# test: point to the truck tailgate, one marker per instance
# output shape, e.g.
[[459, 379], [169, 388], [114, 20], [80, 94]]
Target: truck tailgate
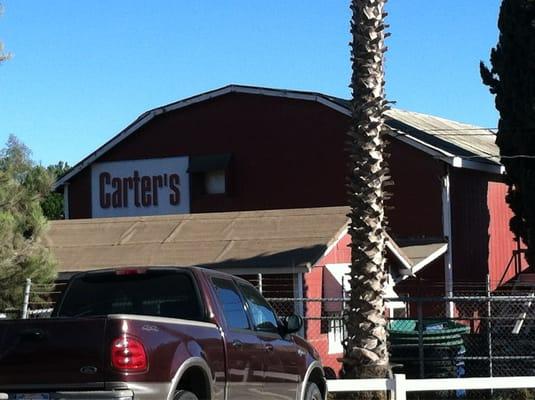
[[52, 351]]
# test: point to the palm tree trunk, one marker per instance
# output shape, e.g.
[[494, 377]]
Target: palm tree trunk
[[365, 350]]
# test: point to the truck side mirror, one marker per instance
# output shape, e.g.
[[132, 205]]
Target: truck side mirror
[[293, 323]]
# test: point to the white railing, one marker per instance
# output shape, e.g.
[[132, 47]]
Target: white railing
[[399, 386]]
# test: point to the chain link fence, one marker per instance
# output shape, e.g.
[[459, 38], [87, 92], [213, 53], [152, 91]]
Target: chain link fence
[[38, 301], [469, 335], [435, 337]]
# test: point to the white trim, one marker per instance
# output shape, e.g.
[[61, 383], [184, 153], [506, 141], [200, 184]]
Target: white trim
[[423, 146], [361, 385], [400, 257], [480, 166], [163, 320], [330, 247], [399, 386], [446, 227], [316, 97], [430, 258], [449, 158]]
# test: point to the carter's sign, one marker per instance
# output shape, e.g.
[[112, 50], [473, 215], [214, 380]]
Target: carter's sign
[[140, 187]]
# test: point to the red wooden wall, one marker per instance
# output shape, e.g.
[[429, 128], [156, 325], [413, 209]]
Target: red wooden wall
[[286, 153], [501, 240]]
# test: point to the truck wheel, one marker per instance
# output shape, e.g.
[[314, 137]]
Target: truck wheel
[[313, 392], [185, 395]]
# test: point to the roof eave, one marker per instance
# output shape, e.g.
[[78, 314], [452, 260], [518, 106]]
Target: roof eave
[[448, 158]]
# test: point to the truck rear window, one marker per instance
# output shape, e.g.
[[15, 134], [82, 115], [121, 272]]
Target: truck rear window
[[161, 293]]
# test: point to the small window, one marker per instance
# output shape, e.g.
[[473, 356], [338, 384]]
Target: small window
[[209, 174], [264, 319], [233, 307], [215, 182]]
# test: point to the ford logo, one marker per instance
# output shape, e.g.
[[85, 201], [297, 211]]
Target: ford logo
[[88, 370]]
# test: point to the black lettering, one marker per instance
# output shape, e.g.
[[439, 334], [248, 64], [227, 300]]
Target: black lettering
[[128, 183], [157, 182], [117, 196], [136, 189], [174, 197], [104, 179], [146, 198]]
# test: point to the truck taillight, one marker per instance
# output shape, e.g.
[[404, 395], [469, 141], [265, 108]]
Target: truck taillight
[[128, 354]]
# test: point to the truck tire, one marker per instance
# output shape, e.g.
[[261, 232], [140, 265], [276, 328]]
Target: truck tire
[[313, 392], [185, 395]]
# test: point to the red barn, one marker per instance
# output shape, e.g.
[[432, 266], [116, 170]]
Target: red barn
[[245, 149]]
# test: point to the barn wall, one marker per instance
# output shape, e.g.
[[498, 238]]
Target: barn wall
[[470, 226], [482, 241], [501, 239], [80, 195], [286, 153], [416, 206], [283, 151]]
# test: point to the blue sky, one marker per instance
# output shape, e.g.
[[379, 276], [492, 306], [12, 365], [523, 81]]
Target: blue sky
[[82, 71]]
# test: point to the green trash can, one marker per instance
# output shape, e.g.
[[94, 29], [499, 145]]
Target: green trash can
[[441, 341]]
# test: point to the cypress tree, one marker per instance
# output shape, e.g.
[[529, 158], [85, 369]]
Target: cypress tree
[[512, 79]]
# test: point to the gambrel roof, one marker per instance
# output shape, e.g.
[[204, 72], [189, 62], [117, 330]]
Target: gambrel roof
[[460, 145]]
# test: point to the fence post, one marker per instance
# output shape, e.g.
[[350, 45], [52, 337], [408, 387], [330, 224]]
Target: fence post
[[299, 308], [400, 391], [260, 283], [489, 329], [421, 339], [26, 300]]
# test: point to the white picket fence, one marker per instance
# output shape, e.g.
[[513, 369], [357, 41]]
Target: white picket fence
[[399, 386]]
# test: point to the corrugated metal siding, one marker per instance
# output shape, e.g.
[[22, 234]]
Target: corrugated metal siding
[[501, 242], [482, 241]]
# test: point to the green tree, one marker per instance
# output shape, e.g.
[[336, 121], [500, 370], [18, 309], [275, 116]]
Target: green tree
[[512, 79], [52, 204], [365, 350], [22, 223]]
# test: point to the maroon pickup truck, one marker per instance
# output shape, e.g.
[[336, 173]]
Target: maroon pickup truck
[[156, 334]]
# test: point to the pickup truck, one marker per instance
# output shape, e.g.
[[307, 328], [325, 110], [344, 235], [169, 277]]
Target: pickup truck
[[158, 333]]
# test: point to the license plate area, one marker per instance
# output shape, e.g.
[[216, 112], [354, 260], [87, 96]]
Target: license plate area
[[31, 396]]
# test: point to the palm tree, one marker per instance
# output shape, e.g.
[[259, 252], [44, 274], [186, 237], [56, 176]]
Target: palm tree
[[512, 80], [365, 349]]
